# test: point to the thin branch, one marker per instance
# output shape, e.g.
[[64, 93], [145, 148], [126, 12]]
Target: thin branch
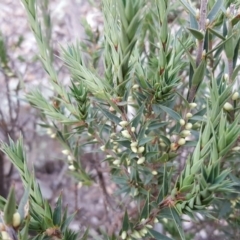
[[202, 27]]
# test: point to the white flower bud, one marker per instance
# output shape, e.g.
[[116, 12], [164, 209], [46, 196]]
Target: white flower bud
[[111, 109], [141, 149], [53, 135], [117, 162], [182, 122], [49, 131], [154, 172], [135, 86], [186, 133], [119, 150], [136, 235], [174, 146], [228, 12], [26, 209], [204, 53], [133, 129], [16, 219], [128, 161], [197, 43], [123, 123], [124, 235], [135, 192], [236, 148], [5, 235], [70, 158], [103, 148], [141, 160], [126, 134], [228, 106], [134, 144], [181, 141], [192, 105], [207, 22], [165, 220], [65, 152], [155, 220], [113, 135], [162, 144], [142, 232], [235, 96], [188, 126], [109, 156], [134, 149], [197, 14], [226, 77], [197, 125], [71, 168], [130, 99], [189, 115], [148, 226], [145, 230]]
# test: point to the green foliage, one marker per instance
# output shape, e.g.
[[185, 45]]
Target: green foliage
[[166, 87]]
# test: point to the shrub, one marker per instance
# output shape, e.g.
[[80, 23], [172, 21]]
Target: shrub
[[164, 112]]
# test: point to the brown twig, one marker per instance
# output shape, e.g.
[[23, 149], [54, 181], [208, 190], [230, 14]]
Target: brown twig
[[202, 27]]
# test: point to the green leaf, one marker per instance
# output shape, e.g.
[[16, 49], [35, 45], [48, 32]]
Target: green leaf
[[215, 10], [196, 166], [197, 34], [85, 236], [219, 45], [165, 181], [25, 230], [235, 72], [170, 112], [135, 121], [156, 125], [198, 74], [10, 207], [193, 21], [178, 223], [67, 221], [188, 7], [192, 62], [216, 33], [2, 202], [146, 209], [23, 203], [145, 140], [126, 224], [109, 115], [158, 235], [57, 213], [235, 20], [225, 208], [186, 188], [229, 47]]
